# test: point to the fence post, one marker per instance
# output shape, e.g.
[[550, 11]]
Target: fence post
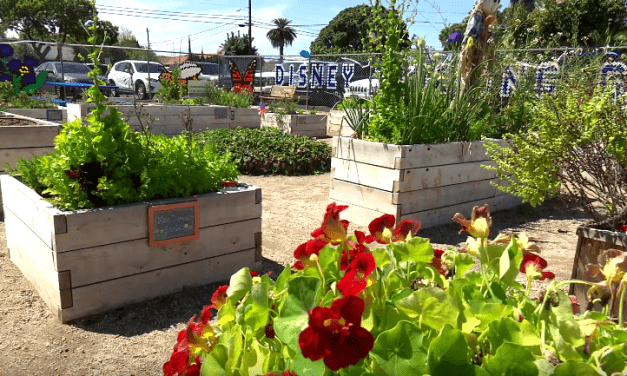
[[308, 82], [60, 54]]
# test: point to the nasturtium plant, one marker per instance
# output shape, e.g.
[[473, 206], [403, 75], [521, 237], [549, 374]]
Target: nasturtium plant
[[387, 303]]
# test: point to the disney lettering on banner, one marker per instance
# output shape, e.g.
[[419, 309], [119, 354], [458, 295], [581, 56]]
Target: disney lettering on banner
[[614, 73], [323, 75], [546, 77]]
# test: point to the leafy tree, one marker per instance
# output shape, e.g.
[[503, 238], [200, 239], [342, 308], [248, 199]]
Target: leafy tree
[[45, 20], [237, 44], [530, 5], [346, 31], [569, 23], [127, 39], [282, 35], [447, 31]]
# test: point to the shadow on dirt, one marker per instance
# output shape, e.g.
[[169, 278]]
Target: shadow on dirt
[[505, 220], [160, 313]]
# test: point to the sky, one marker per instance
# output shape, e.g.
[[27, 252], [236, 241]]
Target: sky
[[208, 22]]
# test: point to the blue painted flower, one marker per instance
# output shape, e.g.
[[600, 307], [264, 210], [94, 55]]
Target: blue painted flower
[[15, 65], [29, 78], [5, 78], [30, 62], [5, 50], [455, 37]]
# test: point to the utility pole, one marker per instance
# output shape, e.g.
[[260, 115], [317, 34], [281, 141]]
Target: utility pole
[[250, 33], [149, 88]]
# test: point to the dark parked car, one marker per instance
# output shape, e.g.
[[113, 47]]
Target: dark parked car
[[71, 73]]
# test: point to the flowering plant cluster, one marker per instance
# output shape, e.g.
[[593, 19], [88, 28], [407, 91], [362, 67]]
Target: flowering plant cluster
[[20, 73], [387, 303]]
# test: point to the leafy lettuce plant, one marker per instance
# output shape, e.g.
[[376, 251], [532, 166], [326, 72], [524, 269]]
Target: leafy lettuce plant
[[387, 303], [104, 162]]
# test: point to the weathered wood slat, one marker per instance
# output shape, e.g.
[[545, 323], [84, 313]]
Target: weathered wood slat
[[35, 136], [102, 297], [12, 155], [130, 222], [92, 265], [34, 258], [39, 215], [365, 174], [413, 201], [399, 156]]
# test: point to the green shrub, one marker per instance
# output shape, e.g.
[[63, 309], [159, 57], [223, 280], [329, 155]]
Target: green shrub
[[8, 98], [219, 96], [283, 107], [270, 151]]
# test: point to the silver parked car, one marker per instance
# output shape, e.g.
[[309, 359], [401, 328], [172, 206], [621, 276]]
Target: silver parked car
[[136, 76]]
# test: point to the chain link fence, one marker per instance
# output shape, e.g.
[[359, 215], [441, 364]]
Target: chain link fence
[[321, 81]]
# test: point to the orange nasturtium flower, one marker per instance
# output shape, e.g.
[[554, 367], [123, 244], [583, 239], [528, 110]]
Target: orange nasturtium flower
[[533, 266], [612, 265], [521, 240], [382, 229], [479, 223]]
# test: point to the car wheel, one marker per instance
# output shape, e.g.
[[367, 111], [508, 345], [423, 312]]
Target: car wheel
[[113, 92], [140, 90]]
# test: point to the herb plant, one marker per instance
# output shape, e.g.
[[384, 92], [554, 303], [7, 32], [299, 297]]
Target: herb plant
[[387, 303], [9, 99], [575, 145], [269, 151]]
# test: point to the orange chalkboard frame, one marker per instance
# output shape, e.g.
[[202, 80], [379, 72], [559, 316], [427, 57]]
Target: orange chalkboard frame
[[151, 224]]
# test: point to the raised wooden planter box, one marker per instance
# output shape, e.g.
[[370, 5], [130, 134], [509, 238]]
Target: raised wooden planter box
[[55, 115], [304, 125], [89, 261], [19, 140], [429, 183], [170, 119], [590, 243], [337, 125]]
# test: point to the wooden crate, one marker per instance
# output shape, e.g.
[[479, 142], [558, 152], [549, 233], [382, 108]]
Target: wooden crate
[[304, 125], [25, 141], [429, 183], [89, 261], [170, 119], [590, 243]]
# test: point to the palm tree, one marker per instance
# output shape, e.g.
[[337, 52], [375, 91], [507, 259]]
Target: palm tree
[[282, 35]]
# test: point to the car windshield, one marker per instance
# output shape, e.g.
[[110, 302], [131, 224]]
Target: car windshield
[[74, 68], [154, 68], [209, 69]]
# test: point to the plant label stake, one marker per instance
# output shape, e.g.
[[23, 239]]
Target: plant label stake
[[176, 223]]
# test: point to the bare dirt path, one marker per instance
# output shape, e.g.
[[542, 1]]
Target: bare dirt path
[[137, 340]]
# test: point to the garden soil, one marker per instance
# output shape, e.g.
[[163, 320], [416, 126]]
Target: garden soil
[[137, 340]]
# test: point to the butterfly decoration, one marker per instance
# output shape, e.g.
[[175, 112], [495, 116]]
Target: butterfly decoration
[[187, 71], [243, 83]]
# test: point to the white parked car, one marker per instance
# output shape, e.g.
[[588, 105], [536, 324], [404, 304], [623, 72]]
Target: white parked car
[[132, 76], [362, 88]]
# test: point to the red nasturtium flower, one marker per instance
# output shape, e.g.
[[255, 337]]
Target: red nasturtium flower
[[305, 250], [533, 265], [356, 277], [382, 229], [336, 335], [219, 297], [333, 230], [286, 373], [355, 249], [436, 262], [197, 336], [479, 223]]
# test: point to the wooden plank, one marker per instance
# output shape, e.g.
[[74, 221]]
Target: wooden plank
[[365, 174], [105, 296], [375, 153], [39, 215], [34, 259], [442, 216], [474, 152], [97, 264], [360, 216], [109, 225], [12, 155], [414, 201], [431, 177], [28, 136], [355, 194]]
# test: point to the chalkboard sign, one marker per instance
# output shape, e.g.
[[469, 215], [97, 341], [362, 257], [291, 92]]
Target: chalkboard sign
[[176, 223]]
